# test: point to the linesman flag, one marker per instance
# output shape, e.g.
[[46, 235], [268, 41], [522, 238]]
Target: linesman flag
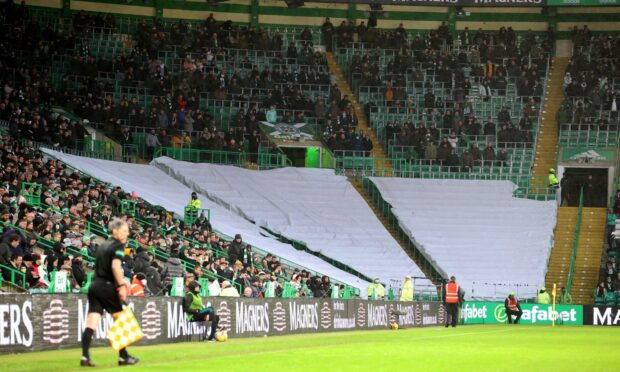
[[125, 330]]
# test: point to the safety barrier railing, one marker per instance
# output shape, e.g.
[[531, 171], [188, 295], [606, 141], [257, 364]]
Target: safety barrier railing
[[501, 290], [263, 160], [573, 258], [589, 134], [15, 277]]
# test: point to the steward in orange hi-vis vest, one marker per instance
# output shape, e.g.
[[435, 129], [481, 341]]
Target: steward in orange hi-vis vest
[[451, 302]]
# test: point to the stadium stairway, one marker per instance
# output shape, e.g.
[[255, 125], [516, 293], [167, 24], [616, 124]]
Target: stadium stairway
[[381, 163], [547, 147], [559, 262], [589, 252]]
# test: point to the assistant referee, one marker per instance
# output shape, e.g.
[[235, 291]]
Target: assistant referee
[[108, 289]]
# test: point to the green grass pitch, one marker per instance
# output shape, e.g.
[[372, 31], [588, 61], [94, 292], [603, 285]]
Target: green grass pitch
[[470, 348]]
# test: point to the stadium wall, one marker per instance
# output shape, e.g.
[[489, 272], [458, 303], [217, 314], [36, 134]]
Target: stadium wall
[[56, 321], [275, 12]]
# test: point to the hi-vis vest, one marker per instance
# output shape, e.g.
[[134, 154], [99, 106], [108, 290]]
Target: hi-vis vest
[[512, 304], [452, 293], [543, 298], [196, 305], [195, 203], [553, 180]]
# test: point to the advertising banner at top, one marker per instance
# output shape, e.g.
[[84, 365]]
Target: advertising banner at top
[[495, 313], [493, 3]]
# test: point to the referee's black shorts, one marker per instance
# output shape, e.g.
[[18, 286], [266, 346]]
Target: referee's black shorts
[[102, 295]]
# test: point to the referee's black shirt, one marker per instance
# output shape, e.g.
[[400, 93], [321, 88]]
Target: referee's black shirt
[[108, 251]]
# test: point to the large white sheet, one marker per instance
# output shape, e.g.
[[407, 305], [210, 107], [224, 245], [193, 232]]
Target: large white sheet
[[156, 187], [310, 205], [476, 231]]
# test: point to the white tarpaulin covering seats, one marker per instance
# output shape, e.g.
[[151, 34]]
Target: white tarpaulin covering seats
[[157, 188], [313, 206], [476, 231]]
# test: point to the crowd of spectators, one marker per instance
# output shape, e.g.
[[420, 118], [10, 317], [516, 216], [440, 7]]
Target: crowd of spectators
[[54, 232], [591, 98], [248, 69], [441, 126]]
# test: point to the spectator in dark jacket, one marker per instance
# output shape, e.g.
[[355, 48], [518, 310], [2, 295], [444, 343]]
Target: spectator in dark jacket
[[8, 244], [326, 288], [235, 251], [20, 248], [173, 269], [77, 267], [142, 261], [15, 263], [153, 279]]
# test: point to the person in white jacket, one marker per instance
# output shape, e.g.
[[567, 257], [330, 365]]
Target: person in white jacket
[[228, 290], [484, 89]]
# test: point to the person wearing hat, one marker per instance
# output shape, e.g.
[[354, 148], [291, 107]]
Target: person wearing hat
[[225, 271], [513, 308], [236, 248], [194, 202], [376, 291], [553, 180], [196, 312], [543, 297], [406, 292], [451, 299]]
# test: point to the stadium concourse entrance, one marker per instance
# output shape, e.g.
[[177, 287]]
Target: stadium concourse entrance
[[307, 155], [595, 184]]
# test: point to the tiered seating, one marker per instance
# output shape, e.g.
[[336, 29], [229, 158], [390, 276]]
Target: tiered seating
[[154, 186], [589, 120], [586, 117], [396, 86]]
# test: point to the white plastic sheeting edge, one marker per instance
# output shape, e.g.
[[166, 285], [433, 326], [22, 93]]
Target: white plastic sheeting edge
[[156, 187], [476, 231], [313, 206]]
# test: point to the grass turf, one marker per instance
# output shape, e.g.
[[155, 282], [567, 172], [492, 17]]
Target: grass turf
[[471, 348]]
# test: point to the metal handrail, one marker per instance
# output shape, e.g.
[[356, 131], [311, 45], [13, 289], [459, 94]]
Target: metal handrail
[[14, 273], [573, 259], [264, 160]]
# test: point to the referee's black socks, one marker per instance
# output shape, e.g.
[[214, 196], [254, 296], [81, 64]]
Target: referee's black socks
[[122, 353], [87, 338]]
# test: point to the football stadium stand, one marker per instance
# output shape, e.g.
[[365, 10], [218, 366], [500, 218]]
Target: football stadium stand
[[442, 128], [156, 187]]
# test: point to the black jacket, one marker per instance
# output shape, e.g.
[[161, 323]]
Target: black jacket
[[173, 269], [141, 262], [79, 274], [153, 281], [235, 251], [5, 252]]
